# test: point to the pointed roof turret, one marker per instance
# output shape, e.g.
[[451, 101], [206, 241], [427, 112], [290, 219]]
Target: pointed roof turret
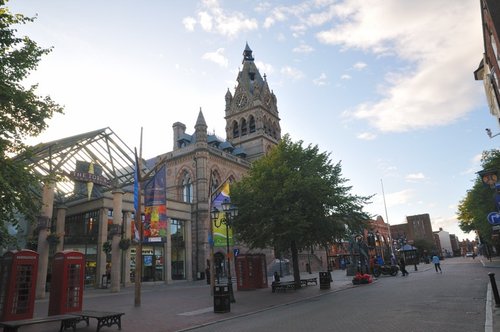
[[247, 54], [200, 128], [201, 120]]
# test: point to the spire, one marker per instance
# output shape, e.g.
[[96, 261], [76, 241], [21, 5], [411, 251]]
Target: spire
[[247, 54], [201, 120], [200, 129]]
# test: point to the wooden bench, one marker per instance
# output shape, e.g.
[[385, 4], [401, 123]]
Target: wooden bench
[[104, 318], [66, 322], [283, 286], [306, 282]]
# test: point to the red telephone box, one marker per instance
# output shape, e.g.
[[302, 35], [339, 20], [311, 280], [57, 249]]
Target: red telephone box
[[251, 271], [66, 287], [18, 272]]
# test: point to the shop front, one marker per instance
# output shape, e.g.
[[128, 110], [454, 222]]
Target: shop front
[[153, 261]]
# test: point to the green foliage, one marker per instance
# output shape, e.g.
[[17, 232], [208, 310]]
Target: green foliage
[[479, 201], [424, 246], [295, 197], [106, 247], [22, 114]]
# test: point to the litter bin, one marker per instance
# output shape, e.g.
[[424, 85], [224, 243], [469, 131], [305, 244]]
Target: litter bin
[[222, 303], [324, 280]]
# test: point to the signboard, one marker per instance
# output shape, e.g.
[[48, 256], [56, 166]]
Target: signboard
[[494, 218]]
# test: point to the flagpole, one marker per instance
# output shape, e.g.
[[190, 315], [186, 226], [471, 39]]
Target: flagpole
[[139, 226], [387, 218]]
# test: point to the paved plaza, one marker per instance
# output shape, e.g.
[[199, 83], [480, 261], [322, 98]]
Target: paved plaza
[[182, 305]]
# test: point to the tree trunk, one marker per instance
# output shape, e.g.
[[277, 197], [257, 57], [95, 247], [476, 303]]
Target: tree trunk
[[295, 262]]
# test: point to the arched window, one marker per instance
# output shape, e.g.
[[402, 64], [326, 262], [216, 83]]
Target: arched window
[[252, 124], [215, 181], [243, 127], [236, 130], [187, 188]]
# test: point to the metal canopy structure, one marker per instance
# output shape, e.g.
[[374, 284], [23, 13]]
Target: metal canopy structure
[[58, 159]]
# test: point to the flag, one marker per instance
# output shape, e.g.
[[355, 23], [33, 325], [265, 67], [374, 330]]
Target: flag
[[219, 233], [136, 185], [155, 207]]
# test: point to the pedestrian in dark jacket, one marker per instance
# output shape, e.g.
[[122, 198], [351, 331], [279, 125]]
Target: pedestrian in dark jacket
[[402, 266]]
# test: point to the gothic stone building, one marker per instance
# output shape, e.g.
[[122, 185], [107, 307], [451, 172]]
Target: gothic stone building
[[198, 163]]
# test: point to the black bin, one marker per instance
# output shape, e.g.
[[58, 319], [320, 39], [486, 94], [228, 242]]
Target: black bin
[[324, 280], [222, 302]]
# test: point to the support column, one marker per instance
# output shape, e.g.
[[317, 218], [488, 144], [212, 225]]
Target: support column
[[101, 238], [116, 233], [189, 251], [127, 234], [43, 230], [60, 222], [168, 255]]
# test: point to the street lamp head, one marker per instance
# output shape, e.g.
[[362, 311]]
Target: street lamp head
[[226, 204], [214, 213], [488, 132]]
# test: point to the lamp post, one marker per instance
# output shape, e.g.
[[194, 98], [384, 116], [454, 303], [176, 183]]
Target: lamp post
[[230, 211]]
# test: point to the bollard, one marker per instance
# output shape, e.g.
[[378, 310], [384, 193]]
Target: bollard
[[494, 288]]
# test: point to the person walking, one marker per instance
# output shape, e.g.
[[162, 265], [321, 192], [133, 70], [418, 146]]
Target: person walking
[[402, 266], [437, 263]]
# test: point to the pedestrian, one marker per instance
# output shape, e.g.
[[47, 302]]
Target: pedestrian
[[437, 264], [393, 260], [276, 277], [402, 266]]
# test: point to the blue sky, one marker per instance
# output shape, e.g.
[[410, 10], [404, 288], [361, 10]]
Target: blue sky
[[385, 86]]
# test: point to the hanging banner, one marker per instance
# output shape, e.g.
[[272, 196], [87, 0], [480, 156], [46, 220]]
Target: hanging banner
[[155, 208], [219, 230]]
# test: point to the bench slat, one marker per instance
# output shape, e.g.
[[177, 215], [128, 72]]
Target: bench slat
[[66, 321]]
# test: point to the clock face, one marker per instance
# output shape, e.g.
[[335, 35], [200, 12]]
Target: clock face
[[241, 100]]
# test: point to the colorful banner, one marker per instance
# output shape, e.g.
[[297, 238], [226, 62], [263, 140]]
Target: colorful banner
[[155, 208], [220, 232]]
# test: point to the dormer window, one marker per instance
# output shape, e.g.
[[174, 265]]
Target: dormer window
[[252, 76]]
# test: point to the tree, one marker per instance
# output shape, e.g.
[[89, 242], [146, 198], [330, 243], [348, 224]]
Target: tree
[[22, 113], [294, 198], [479, 201]]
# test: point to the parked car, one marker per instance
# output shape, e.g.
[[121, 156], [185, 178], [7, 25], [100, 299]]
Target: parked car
[[469, 254]]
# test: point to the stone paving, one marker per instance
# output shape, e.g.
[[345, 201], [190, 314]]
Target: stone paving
[[182, 305]]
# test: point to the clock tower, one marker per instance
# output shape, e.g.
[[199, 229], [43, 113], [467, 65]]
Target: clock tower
[[252, 120]]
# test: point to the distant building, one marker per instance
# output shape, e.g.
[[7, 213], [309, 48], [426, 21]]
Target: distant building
[[445, 243], [417, 227]]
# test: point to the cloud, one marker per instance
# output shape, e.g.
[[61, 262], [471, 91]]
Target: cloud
[[321, 80], [345, 77], [216, 57], [414, 177], [433, 86], [303, 48], [189, 23], [359, 65], [367, 136], [213, 18], [399, 198], [292, 73], [264, 68]]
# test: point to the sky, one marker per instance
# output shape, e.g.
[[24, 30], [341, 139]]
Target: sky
[[385, 86]]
